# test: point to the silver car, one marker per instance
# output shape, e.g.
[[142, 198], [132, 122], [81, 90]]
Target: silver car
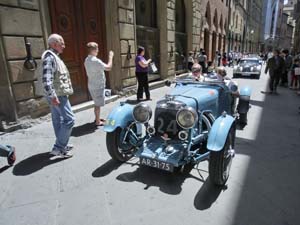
[[248, 67]]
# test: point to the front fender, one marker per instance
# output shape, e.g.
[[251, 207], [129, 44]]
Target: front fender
[[119, 117], [219, 132]]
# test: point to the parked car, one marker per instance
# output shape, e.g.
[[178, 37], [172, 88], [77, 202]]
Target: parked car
[[195, 122], [249, 67]]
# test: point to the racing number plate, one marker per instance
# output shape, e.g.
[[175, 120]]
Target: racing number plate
[[157, 164]]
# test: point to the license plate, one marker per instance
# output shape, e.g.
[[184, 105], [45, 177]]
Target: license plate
[[157, 164]]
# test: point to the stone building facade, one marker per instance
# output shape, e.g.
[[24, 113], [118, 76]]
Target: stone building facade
[[254, 26], [296, 17], [237, 25], [168, 29], [214, 26]]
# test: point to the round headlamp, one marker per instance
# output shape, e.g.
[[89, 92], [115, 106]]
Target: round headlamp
[[187, 117], [142, 113]]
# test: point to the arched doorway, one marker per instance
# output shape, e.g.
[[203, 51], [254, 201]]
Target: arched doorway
[[220, 48], [214, 41], [206, 40], [180, 38], [214, 36]]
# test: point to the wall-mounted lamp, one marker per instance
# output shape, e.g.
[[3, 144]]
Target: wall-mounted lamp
[[30, 63], [172, 51], [129, 52]]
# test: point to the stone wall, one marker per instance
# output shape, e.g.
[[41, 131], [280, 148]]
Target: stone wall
[[21, 23], [126, 21], [171, 36], [197, 20]]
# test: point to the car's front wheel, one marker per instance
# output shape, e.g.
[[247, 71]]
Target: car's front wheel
[[220, 162], [118, 146]]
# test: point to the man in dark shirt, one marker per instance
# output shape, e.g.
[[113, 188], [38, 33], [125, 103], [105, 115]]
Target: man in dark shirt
[[275, 67], [288, 60]]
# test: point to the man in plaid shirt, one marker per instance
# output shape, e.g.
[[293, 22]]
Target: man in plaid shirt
[[57, 87]]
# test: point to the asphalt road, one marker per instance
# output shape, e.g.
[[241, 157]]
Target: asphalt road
[[90, 189]]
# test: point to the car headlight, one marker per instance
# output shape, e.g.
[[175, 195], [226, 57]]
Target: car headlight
[[241, 68], [251, 69], [187, 117], [142, 113], [258, 67]]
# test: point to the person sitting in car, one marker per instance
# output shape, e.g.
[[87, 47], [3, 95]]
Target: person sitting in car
[[197, 72]]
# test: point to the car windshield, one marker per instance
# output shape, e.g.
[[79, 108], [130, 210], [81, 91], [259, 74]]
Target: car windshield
[[249, 61]]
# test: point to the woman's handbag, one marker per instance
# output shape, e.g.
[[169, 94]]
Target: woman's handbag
[[152, 68]]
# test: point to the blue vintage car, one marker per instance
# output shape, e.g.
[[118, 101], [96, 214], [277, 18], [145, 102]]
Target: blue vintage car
[[195, 122]]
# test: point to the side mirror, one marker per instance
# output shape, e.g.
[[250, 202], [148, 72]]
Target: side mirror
[[168, 83]]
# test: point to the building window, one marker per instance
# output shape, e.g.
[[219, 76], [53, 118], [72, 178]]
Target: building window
[[147, 33], [180, 38]]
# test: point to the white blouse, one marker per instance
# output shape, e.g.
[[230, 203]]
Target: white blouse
[[95, 71]]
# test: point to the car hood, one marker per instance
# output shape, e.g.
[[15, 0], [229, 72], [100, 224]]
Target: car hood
[[206, 96]]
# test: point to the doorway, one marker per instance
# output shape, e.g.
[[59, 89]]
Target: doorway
[[79, 23]]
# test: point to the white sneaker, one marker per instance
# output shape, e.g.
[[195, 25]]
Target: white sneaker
[[69, 147], [67, 154], [55, 152]]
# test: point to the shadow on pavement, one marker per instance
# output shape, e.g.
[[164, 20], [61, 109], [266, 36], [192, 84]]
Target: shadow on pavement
[[207, 195], [134, 101], [270, 193], [106, 168], [2, 169], [169, 183], [34, 163], [84, 129]]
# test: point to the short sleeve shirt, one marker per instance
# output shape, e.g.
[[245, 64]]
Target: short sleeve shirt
[[95, 71], [138, 67]]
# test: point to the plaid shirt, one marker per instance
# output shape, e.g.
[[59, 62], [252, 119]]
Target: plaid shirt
[[49, 69]]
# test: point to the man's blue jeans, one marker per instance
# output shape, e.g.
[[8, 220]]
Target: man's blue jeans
[[63, 122]]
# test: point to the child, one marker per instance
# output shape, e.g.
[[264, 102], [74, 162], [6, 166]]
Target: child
[[295, 77]]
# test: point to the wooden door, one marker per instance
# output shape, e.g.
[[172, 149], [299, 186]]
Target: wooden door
[[78, 22]]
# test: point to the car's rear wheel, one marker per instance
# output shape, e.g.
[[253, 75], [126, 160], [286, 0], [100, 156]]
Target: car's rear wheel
[[119, 148], [220, 162]]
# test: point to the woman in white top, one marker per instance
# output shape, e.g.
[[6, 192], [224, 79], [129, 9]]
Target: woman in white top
[[96, 78]]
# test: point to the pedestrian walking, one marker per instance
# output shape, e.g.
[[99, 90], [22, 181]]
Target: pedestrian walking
[[8, 152], [190, 60], [96, 78], [224, 59], [141, 72], [295, 74], [217, 60], [202, 60], [288, 62], [275, 67], [58, 87]]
